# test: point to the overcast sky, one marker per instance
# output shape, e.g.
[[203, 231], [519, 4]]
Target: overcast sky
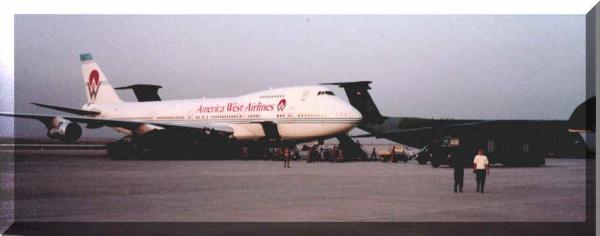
[[442, 66]]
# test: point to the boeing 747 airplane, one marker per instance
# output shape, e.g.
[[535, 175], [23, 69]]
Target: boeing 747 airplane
[[290, 114]]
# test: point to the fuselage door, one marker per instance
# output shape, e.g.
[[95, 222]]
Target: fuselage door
[[304, 95]]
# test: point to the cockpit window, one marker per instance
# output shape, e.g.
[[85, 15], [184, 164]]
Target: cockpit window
[[325, 93]]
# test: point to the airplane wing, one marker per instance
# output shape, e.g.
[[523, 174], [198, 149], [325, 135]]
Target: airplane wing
[[128, 124], [67, 109], [420, 136], [424, 129]]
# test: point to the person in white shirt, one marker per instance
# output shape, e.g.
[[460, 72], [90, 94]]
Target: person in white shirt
[[481, 168]]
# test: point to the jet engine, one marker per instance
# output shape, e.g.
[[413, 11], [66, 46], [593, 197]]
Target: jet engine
[[64, 130]]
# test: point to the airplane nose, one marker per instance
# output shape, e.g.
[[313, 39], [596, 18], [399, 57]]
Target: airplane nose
[[354, 114]]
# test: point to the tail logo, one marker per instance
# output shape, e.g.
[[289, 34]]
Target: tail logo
[[281, 105], [93, 84]]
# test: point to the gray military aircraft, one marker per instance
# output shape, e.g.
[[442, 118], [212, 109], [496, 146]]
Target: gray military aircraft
[[450, 141]]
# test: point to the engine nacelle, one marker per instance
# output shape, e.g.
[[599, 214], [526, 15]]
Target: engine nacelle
[[64, 130]]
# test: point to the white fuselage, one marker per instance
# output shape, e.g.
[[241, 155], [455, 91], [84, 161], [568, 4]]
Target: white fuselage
[[300, 113]]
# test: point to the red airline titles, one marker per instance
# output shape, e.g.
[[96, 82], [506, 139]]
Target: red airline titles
[[235, 107]]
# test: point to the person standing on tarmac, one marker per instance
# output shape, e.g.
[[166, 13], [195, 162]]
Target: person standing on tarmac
[[334, 154], [286, 158], [374, 154], [393, 154], [321, 154], [481, 168], [313, 154], [311, 150], [245, 153], [459, 174]]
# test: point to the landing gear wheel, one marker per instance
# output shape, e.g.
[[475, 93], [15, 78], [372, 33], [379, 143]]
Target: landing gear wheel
[[121, 150], [435, 164]]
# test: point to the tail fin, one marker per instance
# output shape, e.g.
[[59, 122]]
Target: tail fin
[[360, 99], [583, 118], [98, 89]]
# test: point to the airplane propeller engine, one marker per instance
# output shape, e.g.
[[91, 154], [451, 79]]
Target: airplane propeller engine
[[64, 130]]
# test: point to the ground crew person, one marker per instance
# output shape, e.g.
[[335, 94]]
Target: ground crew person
[[374, 154], [245, 153], [321, 154], [481, 168], [334, 154], [459, 174], [286, 158], [312, 154], [393, 154]]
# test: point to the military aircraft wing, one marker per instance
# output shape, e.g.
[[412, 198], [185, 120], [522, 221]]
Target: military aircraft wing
[[420, 136], [422, 129]]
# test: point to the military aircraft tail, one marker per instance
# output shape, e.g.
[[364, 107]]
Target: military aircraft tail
[[360, 98], [583, 118]]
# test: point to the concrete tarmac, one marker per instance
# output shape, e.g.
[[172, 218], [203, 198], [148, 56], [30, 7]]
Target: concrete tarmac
[[6, 190], [84, 185]]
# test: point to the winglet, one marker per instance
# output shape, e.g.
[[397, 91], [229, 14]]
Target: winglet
[[86, 57]]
